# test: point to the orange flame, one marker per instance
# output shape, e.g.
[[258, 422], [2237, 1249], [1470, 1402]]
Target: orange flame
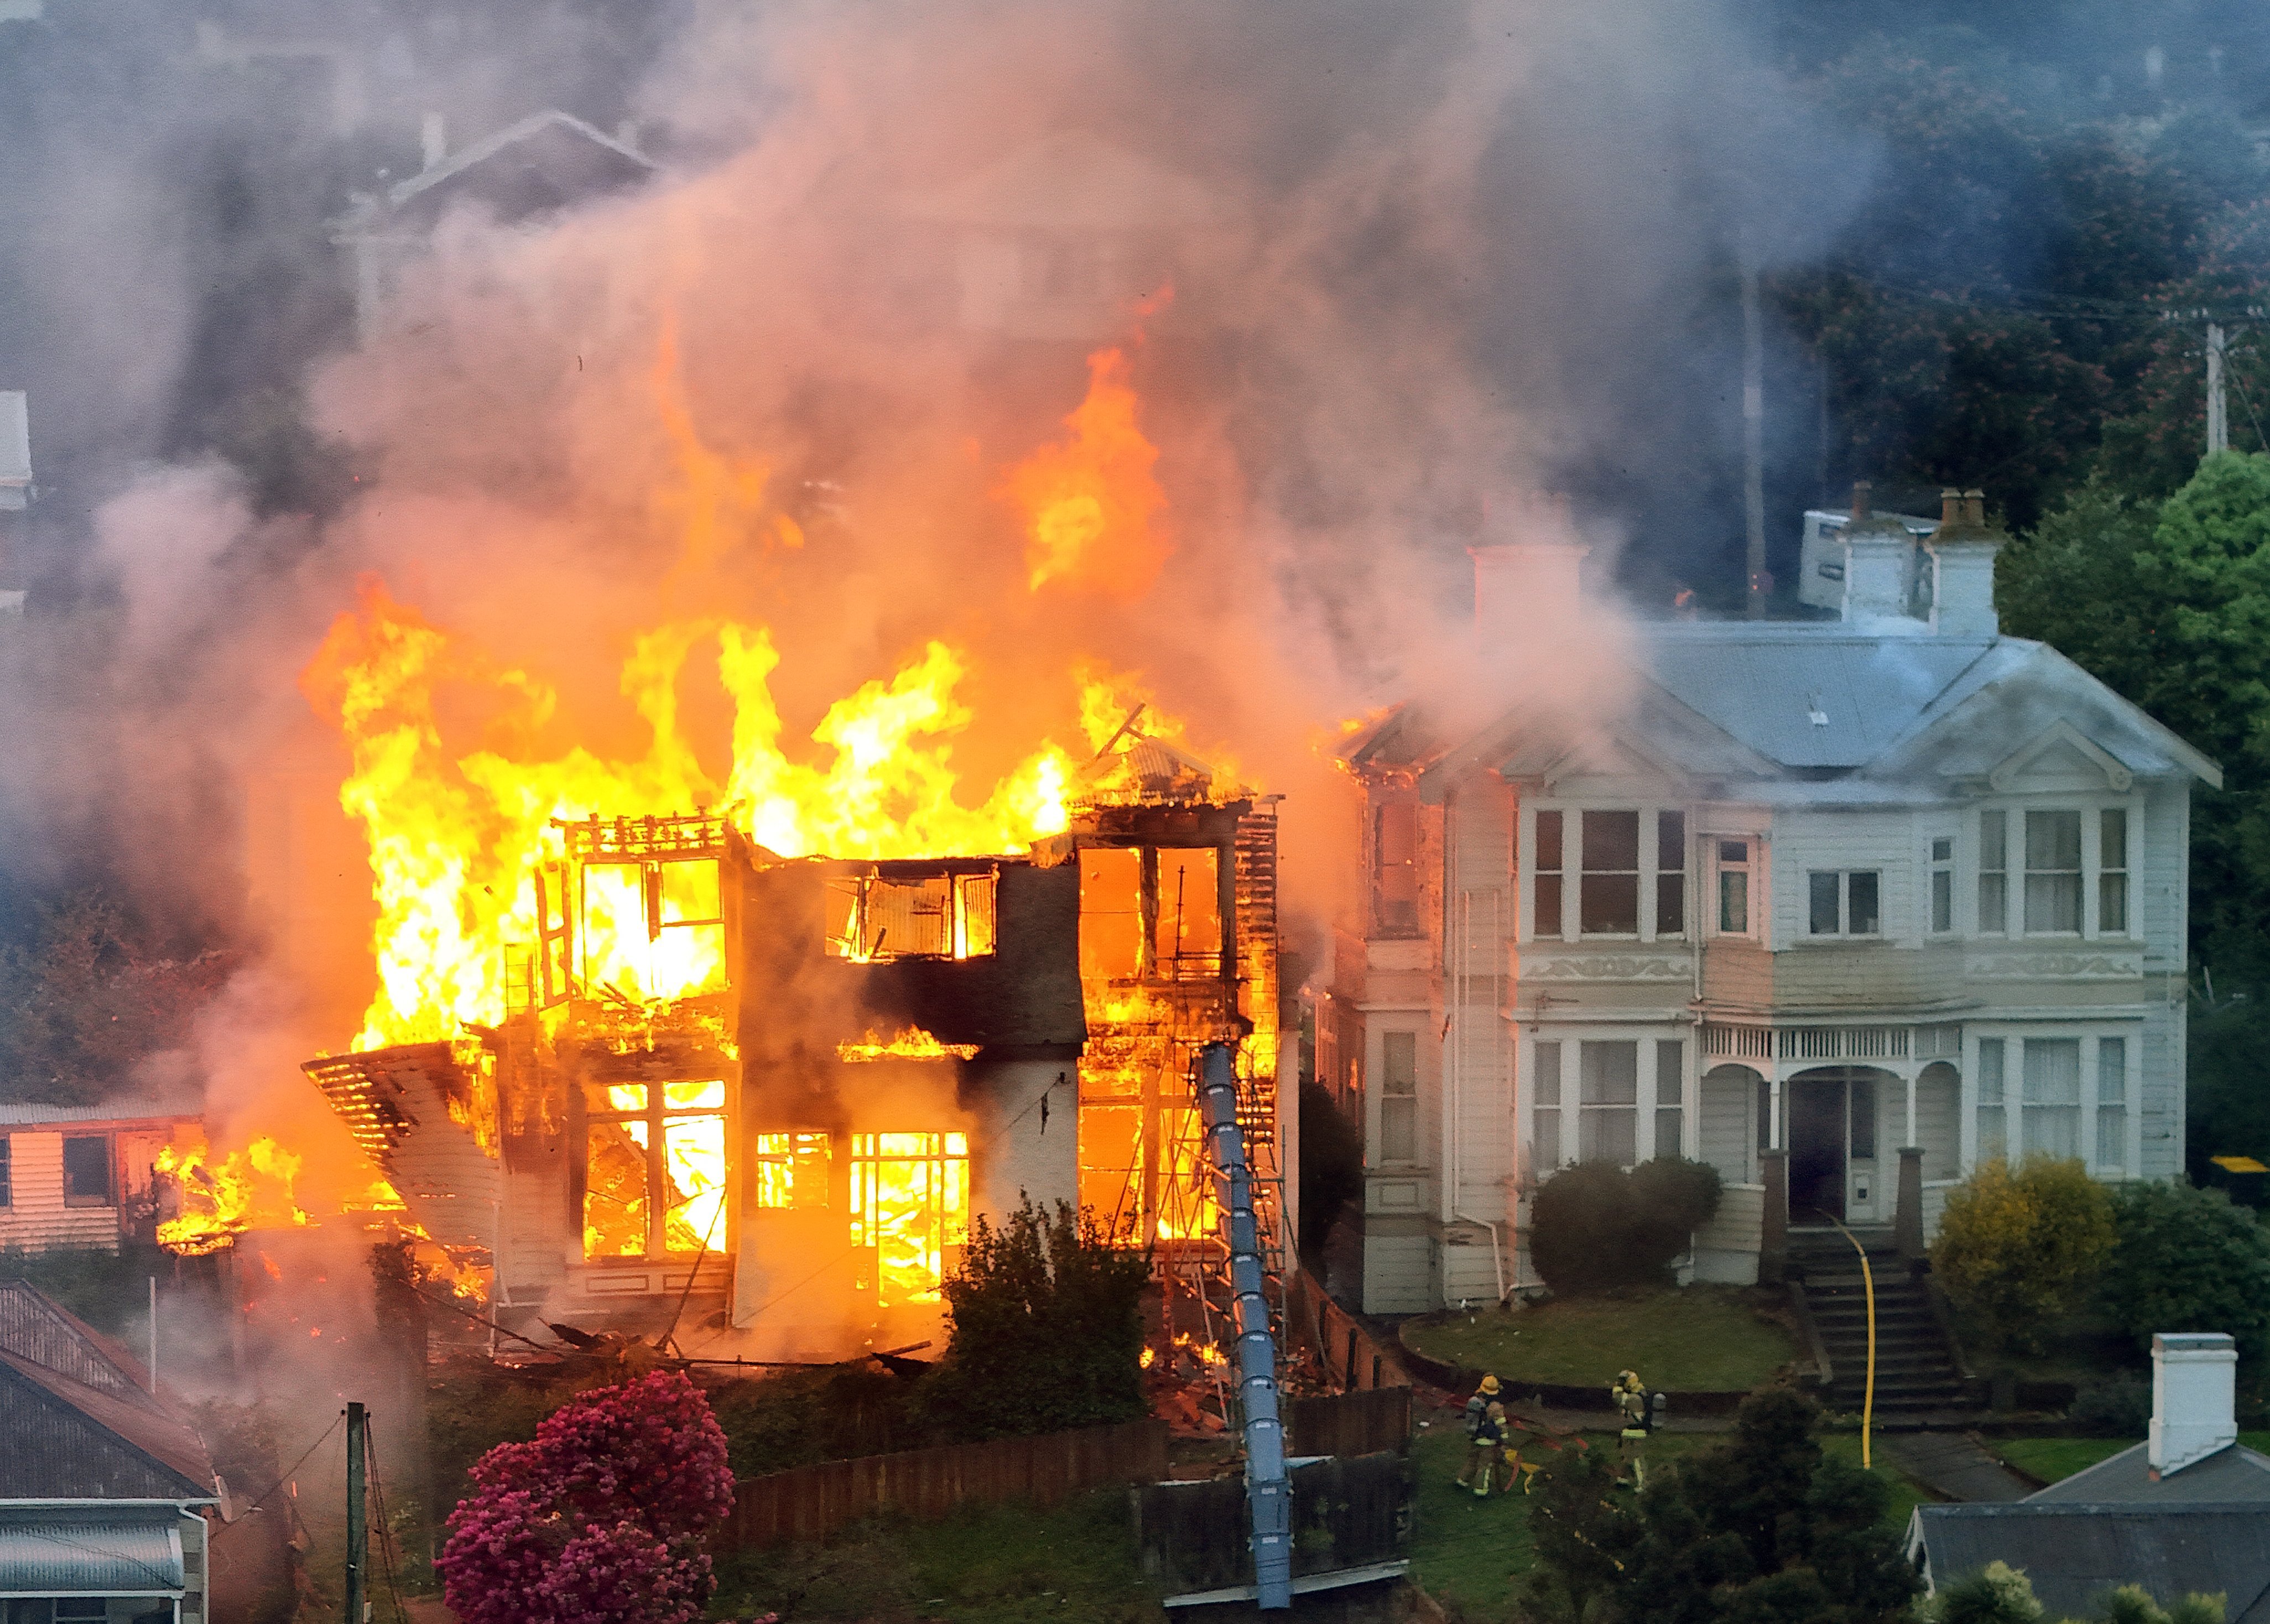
[[1089, 500], [909, 1043], [455, 840], [221, 1199]]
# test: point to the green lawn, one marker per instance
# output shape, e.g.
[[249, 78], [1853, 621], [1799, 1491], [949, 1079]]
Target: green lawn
[[1702, 1339], [1013, 1564], [2051, 1459], [1467, 1552]]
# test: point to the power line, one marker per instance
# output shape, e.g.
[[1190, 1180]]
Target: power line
[[293, 1471]]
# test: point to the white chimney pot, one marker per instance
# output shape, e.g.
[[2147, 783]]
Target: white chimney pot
[[2194, 1399]]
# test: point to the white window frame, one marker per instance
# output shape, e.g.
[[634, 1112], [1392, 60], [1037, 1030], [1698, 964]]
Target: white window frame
[[1375, 1093], [1572, 874], [1751, 868], [2012, 1035], [1932, 867], [1648, 1097], [1970, 850], [1843, 932]]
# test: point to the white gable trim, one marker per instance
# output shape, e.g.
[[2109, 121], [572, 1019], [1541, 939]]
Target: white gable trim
[[2061, 733], [1623, 757]]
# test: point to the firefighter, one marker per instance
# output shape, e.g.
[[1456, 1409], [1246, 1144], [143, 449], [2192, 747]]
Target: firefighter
[[1481, 1451], [1630, 1398]]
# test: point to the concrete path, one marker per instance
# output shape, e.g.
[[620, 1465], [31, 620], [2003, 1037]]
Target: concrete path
[[1952, 1464]]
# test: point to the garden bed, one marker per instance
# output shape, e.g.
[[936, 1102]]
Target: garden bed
[[1705, 1346]]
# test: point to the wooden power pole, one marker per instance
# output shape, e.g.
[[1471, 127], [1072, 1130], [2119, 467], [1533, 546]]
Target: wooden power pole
[[2218, 415]]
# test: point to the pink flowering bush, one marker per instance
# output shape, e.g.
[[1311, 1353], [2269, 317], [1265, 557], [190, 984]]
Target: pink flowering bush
[[600, 1518]]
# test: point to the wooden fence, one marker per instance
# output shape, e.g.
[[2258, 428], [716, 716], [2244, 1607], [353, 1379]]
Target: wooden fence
[[1351, 1357], [811, 1503], [1354, 1423]]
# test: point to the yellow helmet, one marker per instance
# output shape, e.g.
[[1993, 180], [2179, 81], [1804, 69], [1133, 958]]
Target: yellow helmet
[[1628, 1378], [1489, 1384]]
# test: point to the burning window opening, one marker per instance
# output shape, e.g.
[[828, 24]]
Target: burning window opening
[[793, 1170], [221, 1199], [909, 1212], [654, 1169], [873, 918], [909, 1043]]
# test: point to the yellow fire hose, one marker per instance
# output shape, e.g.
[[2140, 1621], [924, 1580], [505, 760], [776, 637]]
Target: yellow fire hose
[[1868, 1394]]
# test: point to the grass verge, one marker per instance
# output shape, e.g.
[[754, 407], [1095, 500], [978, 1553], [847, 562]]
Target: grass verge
[[2052, 1459], [1701, 1339], [1016, 1564], [1469, 1553]]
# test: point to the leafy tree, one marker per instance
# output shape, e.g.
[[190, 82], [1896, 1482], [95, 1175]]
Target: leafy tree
[[2188, 1260], [1997, 1594], [2016, 1249], [600, 1519], [90, 997], [1594, 1226], [2001, 1594], [1047, 1329], [1761, 1528]]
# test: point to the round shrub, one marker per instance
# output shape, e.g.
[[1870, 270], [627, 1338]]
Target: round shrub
[[2187, 1259], [1594, 1226], [2015, 1248]]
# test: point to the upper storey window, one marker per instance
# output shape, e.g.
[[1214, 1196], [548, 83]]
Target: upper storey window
[[2053, 872], [1610, 881], [1395, 867], [1613, 871]]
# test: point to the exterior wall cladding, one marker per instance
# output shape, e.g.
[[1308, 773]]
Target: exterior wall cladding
[[1825, 888]]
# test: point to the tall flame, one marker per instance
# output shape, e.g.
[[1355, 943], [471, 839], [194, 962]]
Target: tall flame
[[1090, 501], [456, 840]]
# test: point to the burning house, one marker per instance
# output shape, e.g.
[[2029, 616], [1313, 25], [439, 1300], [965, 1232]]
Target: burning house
[[764, 1097]]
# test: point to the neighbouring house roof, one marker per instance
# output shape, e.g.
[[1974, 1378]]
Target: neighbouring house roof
[[1792, 704], [74, 1548], [2232, 1474], [2074, 1552], [76, 1419], [110, 1111], [543, 163]]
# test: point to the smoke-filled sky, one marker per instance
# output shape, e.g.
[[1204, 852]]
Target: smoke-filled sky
[[1394, 272]]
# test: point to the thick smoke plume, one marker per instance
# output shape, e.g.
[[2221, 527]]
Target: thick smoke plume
[[1380, 277]]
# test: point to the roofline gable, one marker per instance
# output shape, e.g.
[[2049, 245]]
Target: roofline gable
[[2060, 732]]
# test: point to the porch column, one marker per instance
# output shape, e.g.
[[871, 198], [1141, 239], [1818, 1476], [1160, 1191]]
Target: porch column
[[1911, 1136], [1773, 1111], [1907, 1218], [1773, 1229]]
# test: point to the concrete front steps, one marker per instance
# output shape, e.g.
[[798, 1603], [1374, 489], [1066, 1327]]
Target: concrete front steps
[[1918, 1380]]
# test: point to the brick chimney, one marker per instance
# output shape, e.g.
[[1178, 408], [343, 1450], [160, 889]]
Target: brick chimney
[[1879, 553], [1962, 567], [2194, 1377], [1525, 588]]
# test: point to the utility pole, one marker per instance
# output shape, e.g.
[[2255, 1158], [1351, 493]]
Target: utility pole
[[1754, 437], [358, 1534], [2218, 417]]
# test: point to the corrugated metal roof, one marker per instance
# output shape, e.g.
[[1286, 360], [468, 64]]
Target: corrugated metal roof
[[91, 1558], [2073, 1554], [114, 1110], [1766, 685]]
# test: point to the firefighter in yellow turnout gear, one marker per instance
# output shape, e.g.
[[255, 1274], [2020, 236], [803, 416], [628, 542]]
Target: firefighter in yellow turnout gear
[[1484, 1436], [1630, 1398], [1489, 1438]]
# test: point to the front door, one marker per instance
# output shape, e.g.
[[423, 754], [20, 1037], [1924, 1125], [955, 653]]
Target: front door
[[1816, 1149]]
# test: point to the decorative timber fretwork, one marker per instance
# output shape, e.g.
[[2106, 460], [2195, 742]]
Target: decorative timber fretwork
[[1604, 968], [2054, 965]]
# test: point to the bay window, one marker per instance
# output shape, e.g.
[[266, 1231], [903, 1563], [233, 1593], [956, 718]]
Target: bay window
[[1608, 899], [1545, 1110], [1399, 1096], [2111, 1102], [1609, 1101], [2052, 873]]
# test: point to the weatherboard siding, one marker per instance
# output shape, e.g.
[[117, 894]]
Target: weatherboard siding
[[35, 1219]]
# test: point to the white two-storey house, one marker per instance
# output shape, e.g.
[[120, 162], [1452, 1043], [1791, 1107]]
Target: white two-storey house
[[1842, 907]]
